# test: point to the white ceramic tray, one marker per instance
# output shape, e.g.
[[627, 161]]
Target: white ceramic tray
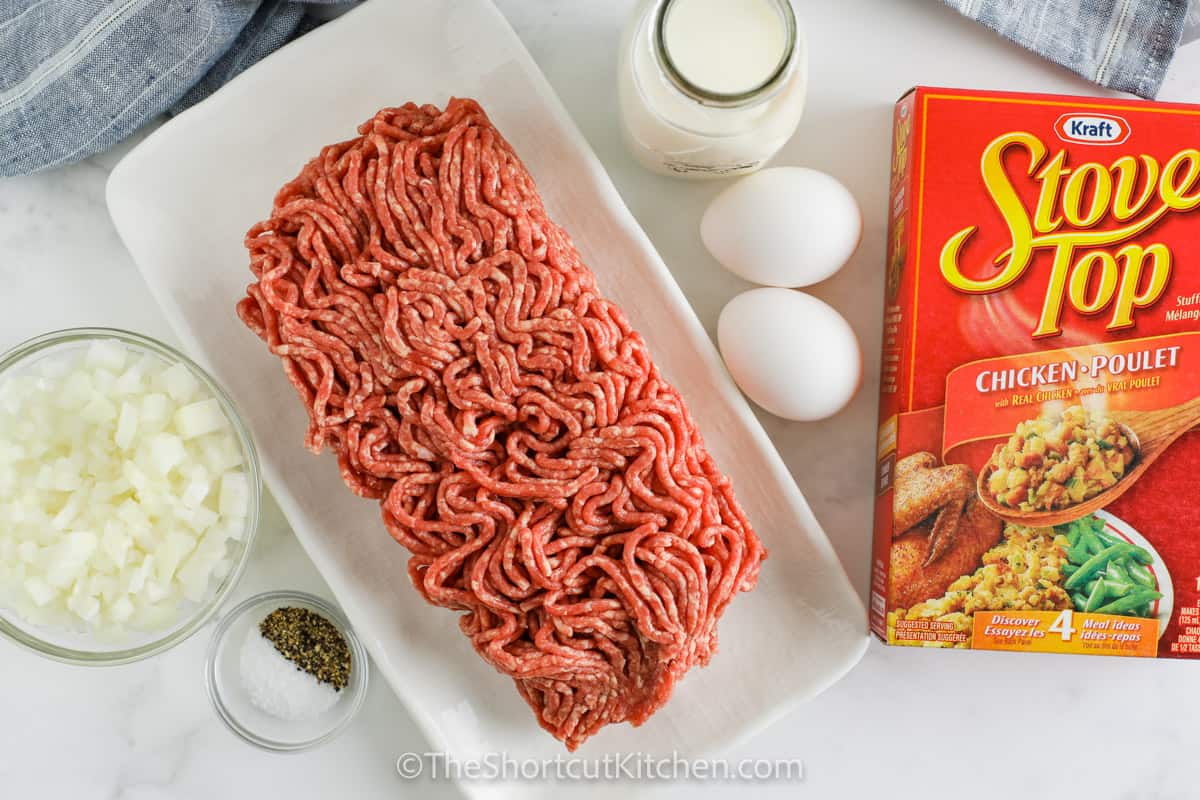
[[182, 202]]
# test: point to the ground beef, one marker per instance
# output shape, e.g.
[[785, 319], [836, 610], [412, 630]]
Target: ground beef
[[453, 351]]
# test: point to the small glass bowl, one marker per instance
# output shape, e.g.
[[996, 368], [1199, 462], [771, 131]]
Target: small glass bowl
[[222, 676], [83, 647]]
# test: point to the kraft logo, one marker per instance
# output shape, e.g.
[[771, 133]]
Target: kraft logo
[[1092, 128]]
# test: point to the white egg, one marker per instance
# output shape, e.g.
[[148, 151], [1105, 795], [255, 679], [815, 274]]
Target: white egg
[[784, 226], [790, 353]]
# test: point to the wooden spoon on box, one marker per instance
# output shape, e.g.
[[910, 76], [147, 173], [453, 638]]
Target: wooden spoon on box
[[1150, 433]]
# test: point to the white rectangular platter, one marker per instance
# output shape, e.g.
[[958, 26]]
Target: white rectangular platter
[[182, 202]]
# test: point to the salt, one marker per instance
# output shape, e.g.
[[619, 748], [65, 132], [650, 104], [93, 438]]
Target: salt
[[277, 686]]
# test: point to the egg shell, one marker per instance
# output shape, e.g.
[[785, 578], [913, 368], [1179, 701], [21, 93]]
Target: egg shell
[[783, 226], [792, 354]]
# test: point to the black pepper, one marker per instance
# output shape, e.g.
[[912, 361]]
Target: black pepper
[[311, 642]]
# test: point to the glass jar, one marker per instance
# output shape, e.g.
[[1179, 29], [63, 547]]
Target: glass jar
[[673, 123]]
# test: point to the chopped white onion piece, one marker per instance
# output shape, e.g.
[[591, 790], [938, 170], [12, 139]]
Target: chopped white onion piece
[[180, 383], [131, 381], [121, 609], [127, 424], [235, 494], [199, 418], [39, 591], [106, 354], [156, 410], [166, 453]]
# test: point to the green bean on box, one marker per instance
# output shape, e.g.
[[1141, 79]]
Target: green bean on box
[[1105, 574]]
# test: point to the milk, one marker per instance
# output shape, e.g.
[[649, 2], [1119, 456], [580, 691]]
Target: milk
[[710, 88], [725, 46]]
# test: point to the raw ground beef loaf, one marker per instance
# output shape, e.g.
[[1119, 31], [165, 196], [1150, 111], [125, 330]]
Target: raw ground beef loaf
[[455, 353]]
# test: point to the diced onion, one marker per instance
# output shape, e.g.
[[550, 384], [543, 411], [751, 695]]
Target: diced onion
[[121, 484]]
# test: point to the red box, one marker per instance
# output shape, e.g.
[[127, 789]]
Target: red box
[[1037, 462]]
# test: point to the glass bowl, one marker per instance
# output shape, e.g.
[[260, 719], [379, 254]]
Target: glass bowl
[[229, 697], [87, 648]]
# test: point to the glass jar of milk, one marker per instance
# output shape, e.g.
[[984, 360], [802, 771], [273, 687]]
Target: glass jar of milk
[[711, 88]]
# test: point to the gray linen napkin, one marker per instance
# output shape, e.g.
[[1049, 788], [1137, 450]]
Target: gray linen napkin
[[78, 76], [1121, 44]]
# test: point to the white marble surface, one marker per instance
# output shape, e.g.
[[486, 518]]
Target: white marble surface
[[905, 723]]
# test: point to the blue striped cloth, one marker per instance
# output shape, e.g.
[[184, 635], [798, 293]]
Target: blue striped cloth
[[78, 76], [1121, 44]]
